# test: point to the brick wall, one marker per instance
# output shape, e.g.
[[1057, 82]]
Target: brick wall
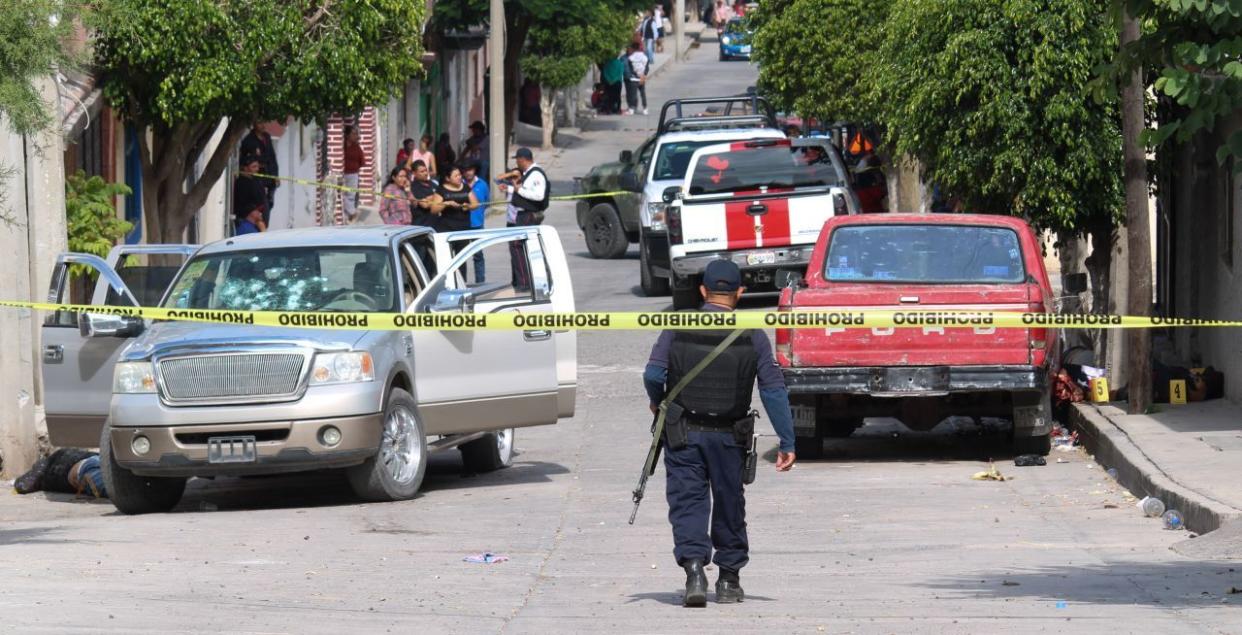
[[368, 179]]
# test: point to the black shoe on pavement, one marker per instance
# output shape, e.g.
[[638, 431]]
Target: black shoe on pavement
[[728, 588], [696, 584]]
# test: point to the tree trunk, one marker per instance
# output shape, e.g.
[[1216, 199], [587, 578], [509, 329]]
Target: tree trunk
[[547, 113], [1138, 341], [168, 164], [1099, 266], [515, 40]]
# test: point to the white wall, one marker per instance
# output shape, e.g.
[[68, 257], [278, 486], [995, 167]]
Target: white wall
[[1205, 283], [32, 233], [295, 151]]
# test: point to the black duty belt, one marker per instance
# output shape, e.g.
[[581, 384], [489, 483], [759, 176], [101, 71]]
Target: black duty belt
[[709, 426]]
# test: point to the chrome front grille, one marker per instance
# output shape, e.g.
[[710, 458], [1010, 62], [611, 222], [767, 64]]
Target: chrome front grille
[[233, 377]]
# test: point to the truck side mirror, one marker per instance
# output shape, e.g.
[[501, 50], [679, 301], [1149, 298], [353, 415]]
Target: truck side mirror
[[671, 194], [629, 182], [1074, 283], [103, 325], [454, 301], [627, 156], [786, 278]]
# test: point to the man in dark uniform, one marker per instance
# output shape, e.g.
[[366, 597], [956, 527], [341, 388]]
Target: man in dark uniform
[[705, 476]]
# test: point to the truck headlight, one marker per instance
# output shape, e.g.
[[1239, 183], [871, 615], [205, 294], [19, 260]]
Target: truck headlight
[[342, 368], [130, 378], [655, 211]]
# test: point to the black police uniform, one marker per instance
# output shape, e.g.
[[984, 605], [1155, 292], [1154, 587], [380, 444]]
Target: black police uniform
[[705, 460]]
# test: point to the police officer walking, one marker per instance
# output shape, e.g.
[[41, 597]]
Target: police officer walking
[[708, 436]]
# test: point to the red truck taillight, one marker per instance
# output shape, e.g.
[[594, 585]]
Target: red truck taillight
[[1038, 337], [673, 221], [784, 341]]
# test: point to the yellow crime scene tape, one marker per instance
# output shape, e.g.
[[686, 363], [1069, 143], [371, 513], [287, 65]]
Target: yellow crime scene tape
[[639, 320], [381, 194]]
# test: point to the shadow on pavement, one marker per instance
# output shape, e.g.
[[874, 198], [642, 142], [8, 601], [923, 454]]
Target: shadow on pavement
[[954, 439], [1167, 584], [330, 488], [674, 598]]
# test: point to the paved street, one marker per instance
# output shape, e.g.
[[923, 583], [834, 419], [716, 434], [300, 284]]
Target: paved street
[[888, 534]]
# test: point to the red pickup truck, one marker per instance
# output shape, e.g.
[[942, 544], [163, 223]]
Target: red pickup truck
[[923, 374]]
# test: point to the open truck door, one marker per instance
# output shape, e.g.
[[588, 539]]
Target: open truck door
[[79, 350]]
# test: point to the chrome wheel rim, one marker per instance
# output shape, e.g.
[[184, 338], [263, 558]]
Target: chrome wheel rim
[[401, 451], [504, 444]]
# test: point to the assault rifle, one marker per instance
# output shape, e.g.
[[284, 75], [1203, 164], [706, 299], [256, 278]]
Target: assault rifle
[[667, 405]]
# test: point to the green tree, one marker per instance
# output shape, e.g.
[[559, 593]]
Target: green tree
[[90, 214], [559, 54], [818, 57], [1194, 47], [990, 96], [520, 17], [32, 38], [177, 68]]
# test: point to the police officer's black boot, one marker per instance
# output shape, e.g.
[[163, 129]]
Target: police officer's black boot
[[728, 587], [696, 584]]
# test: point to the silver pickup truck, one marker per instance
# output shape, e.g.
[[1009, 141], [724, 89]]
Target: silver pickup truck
[[169, 400]]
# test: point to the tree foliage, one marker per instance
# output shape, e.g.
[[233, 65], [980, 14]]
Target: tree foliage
[[1195, 48], [817, 58], [90, 215], [991, 96], [177, 67], [559, 52], [524, 16], [32, 38]]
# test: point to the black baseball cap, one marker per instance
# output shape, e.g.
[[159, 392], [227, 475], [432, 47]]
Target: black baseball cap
[[524, 153], [722, 276]]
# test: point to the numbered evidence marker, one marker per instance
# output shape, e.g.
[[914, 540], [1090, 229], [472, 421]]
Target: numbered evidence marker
[[1177, 391], [1099, 390]]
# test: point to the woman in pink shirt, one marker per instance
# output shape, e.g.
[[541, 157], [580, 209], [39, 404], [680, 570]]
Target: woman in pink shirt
[[425, 154], [395, 205]]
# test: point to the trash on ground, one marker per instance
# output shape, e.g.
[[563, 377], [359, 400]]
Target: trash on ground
[[990, 474], [486, 558], [1233, 590], [1061, 460], [1063, 440], [1112, 473], [1173, 520], [1152, 507], [1009, 583], [1062, 604], [1027, 460]]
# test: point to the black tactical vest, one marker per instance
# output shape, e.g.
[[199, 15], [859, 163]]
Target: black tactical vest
[[721, 392]]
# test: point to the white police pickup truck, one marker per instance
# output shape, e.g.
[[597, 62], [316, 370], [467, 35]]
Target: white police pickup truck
[[169, 400], [760, 203]]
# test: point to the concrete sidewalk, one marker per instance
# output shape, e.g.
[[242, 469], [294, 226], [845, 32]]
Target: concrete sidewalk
[[1188, 456]]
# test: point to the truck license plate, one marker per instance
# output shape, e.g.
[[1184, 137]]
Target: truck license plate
[[804, 417], [761, 258], [231, 449]]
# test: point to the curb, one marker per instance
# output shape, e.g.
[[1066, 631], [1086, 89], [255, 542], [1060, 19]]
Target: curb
[[1113, 448]]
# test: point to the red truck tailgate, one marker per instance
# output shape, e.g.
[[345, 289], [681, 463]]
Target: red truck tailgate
[[931, 344]]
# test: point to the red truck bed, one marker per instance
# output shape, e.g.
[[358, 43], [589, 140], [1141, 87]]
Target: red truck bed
[[920, 374]]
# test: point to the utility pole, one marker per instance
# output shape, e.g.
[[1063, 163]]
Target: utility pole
[[1138, 232], [679, 28], [496, 89]]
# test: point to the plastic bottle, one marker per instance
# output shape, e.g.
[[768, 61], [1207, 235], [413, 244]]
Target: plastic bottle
[[1152, 507], [1173, 520], [1112, 473]]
